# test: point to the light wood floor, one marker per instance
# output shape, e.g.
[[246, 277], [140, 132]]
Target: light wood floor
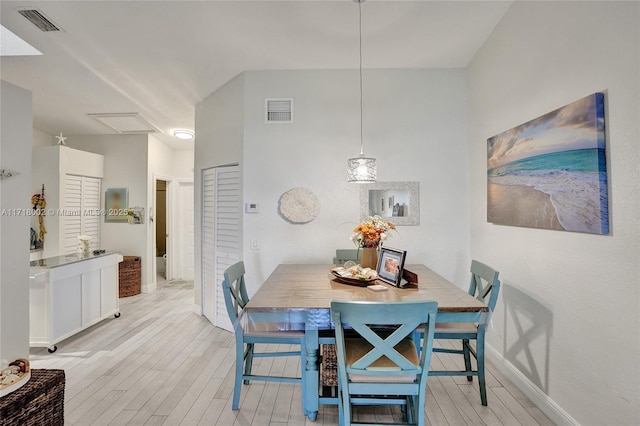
[[160, 363]]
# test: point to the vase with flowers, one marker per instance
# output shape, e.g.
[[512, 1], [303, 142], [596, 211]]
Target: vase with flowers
[[368, 236]]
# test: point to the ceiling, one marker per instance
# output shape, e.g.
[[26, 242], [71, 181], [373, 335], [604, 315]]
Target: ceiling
[[161, 58]]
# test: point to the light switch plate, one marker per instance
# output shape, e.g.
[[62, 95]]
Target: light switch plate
[[251, 208]]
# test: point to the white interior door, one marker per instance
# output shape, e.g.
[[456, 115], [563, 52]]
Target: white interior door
[[227, 233], [186, 219], [221, 235]]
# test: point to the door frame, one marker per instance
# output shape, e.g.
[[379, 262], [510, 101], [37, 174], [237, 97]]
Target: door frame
[[177, 263], [169, 231]]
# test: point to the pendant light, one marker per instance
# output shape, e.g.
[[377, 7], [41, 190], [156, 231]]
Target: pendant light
[[361, 169]]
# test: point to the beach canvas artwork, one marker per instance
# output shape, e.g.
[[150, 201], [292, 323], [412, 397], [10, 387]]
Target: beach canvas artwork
[[551, 172]]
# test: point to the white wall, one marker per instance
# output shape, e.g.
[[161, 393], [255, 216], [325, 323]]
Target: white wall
[[132, 161], [125, 166], [567, 320], [16, 137], [182, 164], [41, 138], [414, 124], [219, 141]]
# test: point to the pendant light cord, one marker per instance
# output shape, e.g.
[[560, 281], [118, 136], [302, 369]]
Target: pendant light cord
[[360, 38]]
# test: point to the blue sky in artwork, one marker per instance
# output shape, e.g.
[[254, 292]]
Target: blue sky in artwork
[[579, 125]]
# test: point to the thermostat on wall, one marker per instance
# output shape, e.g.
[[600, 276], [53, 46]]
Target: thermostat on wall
[[251, 208]]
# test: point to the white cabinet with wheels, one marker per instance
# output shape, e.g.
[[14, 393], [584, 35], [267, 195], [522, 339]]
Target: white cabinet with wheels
[[70, 293]]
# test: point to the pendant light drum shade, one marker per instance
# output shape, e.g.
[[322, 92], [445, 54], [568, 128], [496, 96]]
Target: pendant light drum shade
[[361, 170]]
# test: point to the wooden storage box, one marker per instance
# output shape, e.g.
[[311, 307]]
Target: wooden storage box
[[130, 278]]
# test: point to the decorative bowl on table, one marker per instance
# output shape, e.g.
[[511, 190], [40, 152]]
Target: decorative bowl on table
[[354, 275]]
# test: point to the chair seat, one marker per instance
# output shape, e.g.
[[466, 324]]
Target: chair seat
[[484, 286], [357, 348], [452, 328], [271, 330], [456, 327]]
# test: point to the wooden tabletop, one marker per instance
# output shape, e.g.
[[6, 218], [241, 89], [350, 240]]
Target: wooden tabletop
[[306, 286]]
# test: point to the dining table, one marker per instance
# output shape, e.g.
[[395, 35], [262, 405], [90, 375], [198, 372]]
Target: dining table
[[298, 297]]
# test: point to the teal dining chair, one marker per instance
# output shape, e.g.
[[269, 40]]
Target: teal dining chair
[[343, 255], [250, 332], [378, 362], [485, 287]]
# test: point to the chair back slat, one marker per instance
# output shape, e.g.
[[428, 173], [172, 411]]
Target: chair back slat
[[384, 347], [235, 291], [484, 283], [343, 255], [383, 326]]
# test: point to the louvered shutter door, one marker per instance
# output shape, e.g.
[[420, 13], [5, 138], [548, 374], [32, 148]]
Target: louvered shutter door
[[227, 220], [220, 237], [81, 206], [90, 208], [208, 264], [72, 209]]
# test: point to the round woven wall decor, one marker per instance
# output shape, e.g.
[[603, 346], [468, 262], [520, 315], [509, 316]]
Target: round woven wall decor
[[299, 205]]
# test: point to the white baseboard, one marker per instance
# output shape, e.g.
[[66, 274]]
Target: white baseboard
[[148, 288], [197, 309], [534, 393]]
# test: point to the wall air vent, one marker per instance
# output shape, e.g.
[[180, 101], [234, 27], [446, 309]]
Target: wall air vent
[[38, 19], [278, 110]]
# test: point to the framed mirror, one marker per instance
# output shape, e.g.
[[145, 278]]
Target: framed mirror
[[397, 202]]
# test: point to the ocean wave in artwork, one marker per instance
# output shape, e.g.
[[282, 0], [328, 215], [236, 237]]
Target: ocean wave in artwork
[[573, 181]]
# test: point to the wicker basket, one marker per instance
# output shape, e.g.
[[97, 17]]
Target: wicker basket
[[130, 276], [329, 366], [40, 402]]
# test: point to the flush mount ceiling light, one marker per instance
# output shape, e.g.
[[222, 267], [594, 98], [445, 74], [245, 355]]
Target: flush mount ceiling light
[[361, 169], [183, 134]]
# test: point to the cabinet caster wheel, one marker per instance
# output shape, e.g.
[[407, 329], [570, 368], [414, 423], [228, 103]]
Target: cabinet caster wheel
[[116, 315], [52, 349]]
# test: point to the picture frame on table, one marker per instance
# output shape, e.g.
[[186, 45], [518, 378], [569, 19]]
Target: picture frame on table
[[391, 265]]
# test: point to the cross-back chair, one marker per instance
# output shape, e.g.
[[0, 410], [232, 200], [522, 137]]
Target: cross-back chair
[[381, 365], [485, 287], [248, 333], [343, 255]]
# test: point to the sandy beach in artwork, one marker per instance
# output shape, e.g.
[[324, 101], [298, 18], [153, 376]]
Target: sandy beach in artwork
[[519, 205]]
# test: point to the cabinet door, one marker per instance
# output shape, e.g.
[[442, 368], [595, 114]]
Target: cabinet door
[[90, 297], [82, 207], [66, 306], [90, 207], [38, 308], [109, 289], [73, 219]]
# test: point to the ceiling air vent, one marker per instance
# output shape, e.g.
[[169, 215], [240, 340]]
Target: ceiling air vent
[[129, 123], [278, 110], [38, 19]]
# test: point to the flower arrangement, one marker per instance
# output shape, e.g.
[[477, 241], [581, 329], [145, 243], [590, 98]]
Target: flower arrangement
[[371, 232]]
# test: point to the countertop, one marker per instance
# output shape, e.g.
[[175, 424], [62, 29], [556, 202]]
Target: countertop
[[57, 261]]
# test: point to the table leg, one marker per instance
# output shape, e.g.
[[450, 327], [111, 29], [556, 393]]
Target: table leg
[[310, 391]]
